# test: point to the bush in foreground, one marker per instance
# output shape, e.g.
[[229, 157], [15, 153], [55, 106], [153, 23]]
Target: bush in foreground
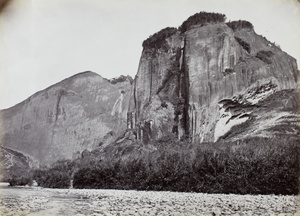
[[58, 176], [19, 180], [17, 176]]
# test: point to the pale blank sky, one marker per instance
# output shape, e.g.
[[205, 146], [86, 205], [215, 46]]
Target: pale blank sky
[[45, 41]]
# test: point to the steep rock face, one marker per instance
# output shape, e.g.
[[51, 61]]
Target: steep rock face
[[220, 68], [179, 85], [155, 90], [66, 118], [13, 162]]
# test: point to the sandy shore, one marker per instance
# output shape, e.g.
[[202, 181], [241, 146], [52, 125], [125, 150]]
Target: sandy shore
[[39, 201]]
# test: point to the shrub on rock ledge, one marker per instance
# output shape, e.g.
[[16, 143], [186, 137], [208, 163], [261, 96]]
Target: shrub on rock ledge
[[202, 19]]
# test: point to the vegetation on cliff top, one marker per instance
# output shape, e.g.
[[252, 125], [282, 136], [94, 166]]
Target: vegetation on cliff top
[[202, 19], [159, 38], [240, 24]]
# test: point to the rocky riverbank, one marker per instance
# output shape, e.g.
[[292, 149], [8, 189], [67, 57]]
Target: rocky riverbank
[[39, 201]]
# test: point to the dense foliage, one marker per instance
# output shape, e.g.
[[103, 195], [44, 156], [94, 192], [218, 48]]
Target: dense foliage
[[159, 39], [250, 166], [19, 178], [58, 176], [240, 24], [265, 56], [246, 46], [202, 19], [254, 166]]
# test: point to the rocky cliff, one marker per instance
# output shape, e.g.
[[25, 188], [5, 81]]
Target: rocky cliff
[[81, 112], [206, 81], [13, 163], [184, 78]]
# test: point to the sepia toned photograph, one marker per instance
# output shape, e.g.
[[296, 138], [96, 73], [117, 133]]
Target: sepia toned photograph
[[149, 107]]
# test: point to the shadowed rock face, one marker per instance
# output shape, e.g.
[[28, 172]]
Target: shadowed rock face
[[178, 86], [66, 118]]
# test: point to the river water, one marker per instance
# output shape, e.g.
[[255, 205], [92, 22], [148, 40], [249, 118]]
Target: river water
[[41, 201]]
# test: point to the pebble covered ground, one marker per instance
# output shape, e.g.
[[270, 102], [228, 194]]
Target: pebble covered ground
[[41, 201]]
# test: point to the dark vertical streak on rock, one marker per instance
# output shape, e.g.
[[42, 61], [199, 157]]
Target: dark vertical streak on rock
[[210, 91], [193, 120], [60, 93], [136, 109], [151, 71], [134, 92], [35, 125], [195, 124], [22, 120], [57, 105], [178, 58], [222, 57], [177, 75], [185, 92]]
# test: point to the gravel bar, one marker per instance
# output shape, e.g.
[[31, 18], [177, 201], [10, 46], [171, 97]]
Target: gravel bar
[[42, 201]]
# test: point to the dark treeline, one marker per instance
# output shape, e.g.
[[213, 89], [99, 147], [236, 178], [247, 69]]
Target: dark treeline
[[16, 176], [159, 39], [250, 166], [202, 18], [57, 176], [240, 24]]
